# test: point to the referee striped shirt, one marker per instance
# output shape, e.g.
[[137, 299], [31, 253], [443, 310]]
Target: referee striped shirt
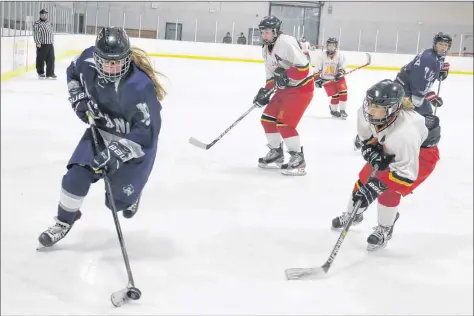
[[43, 32]]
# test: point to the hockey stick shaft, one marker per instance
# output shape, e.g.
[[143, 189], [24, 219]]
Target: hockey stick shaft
[[207, 146], [439, 88], [343, 234], [112, 203]]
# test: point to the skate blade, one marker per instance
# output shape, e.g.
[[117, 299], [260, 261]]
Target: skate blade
[[375, 248], [270, 166], [294, 172], [305, 273]]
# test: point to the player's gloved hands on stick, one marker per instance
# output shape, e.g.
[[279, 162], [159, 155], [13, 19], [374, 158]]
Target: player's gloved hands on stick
[[82, 104], [339, 76], [261, 99], [369, 192], [281, 78], [443, 73], [318, 83], [111, 158], [375, 155], [434, 99]]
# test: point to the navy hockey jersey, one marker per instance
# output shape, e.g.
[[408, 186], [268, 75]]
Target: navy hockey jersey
[[419, 75], [131, 110]]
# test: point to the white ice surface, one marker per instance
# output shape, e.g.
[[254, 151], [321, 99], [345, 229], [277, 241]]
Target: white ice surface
[[214, 233]]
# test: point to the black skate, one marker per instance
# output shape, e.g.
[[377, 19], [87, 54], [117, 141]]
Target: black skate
[[335, 114], [41, 76], [132, 209], [273, 160], [55, 233], [52, 77], [343, 114], [380, 237], [341, 221], [296, 165]]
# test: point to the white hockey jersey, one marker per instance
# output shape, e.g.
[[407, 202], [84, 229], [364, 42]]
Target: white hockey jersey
[[287, 54], [305, 47], [403, 138], [329, 66]]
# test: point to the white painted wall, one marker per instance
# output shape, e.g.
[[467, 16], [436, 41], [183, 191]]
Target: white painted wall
[[20, 52]]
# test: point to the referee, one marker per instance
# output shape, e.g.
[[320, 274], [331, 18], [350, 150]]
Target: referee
[[44, 39]]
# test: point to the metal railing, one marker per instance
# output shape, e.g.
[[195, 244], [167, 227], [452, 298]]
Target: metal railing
[[146, 22]]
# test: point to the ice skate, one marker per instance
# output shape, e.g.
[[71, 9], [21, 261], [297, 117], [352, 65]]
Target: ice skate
[[343, 114], [41, 76], [296, 166], [380, 237], [335, 114], [357, 143], [341, 220], [132, 209], [273, 160], [55, 233]]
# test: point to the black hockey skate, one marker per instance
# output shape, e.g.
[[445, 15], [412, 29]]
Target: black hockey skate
[[132, 209], [296, 166], [343, 114], [335, 114], [357, 143], [273, 160], [340, 221], [55, 233], [380, 237]]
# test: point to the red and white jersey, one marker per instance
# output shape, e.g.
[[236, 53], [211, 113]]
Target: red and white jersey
[[402, 138], [329, 65], [287, 54], [305, 47]]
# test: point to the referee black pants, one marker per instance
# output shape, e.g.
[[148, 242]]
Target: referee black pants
[[45, 54]]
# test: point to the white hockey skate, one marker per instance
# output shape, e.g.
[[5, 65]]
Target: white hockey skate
[[296, 166]]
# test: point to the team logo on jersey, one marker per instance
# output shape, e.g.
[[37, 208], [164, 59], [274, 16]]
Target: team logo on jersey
[[128, 190]]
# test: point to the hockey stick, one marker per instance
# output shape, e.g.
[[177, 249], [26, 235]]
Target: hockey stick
[[130, 292], [202, 145], [436, 106], [310, 273]]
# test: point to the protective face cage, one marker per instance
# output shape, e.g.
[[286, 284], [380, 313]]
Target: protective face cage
[[123, 65], [390, 111]]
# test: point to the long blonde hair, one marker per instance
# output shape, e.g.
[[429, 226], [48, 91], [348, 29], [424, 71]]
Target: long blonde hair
[[407, 105], [141, 59]]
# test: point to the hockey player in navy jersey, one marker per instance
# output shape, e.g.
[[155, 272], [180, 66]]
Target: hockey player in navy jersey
[[418, 76], [117, 84]]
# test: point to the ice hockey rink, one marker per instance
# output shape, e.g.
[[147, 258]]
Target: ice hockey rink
[[215, 233]]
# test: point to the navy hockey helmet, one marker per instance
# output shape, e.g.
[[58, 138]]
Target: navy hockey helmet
[[112, 53], [442, 37], [385, 94], [331, 40], [270, 23]]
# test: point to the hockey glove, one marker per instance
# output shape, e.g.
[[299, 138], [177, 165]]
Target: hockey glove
[[375, 155], [434, 99], [261, 99], [111, 158], [443, 74], [319, 83], [369, 192], [82, 104], [339, 75], [281, 78]]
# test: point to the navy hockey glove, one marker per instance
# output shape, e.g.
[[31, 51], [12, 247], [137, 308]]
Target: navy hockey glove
[[443, 73], [369, 192], [281, 78], [82, 104], [374, 154], [339, 75], [319, 83], [434, 99], [261, 99], [111, 158]]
